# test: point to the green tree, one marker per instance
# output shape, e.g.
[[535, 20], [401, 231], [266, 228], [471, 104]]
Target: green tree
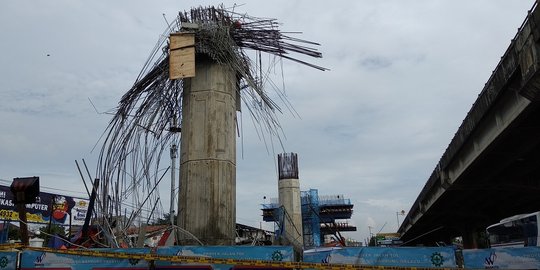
[[372, 241], [165, 220], [47, 232], [14, 233]]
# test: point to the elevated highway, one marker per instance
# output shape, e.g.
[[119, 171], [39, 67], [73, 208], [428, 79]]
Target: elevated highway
[[491, 168]]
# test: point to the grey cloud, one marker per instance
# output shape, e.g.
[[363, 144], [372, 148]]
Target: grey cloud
[[375, 63]]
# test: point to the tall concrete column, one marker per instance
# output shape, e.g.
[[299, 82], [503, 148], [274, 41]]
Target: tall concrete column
[[207, 201], [474, 238], [289, 198]]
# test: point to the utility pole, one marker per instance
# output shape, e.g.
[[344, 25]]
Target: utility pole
[[174, 149], [370, 236], [402, 212]]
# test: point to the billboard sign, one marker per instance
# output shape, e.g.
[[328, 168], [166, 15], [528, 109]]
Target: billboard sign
[[54, 208]]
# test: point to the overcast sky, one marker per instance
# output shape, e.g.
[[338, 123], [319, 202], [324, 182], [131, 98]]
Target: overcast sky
[[403, 75]]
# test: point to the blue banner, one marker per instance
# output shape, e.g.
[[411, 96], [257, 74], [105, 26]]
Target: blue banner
[[47, 260], [385, 256], [267, 253], [503, 258], [44, 260], [8, 260]]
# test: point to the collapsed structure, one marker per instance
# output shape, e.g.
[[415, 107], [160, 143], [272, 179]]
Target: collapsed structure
[[192, 85]]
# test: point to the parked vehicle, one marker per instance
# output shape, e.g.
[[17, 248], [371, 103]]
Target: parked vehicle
[[516, 231]]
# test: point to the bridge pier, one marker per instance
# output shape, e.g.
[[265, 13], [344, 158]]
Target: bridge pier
[[207, 201], [474, 238]]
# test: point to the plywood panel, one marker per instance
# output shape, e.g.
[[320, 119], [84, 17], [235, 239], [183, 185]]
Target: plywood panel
[[181, 56]]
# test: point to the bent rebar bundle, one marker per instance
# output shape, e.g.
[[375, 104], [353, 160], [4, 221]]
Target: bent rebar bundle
[[136, 137]]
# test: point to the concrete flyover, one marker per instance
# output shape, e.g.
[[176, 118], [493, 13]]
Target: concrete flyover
[[491, 168]]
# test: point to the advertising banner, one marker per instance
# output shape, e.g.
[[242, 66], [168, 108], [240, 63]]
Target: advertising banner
[[502, 258], [47, 260], [385, 256], [58, 209], [267, 253]]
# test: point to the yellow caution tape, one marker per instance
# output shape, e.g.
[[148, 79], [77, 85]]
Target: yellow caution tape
[[10, 246], [238, 262]]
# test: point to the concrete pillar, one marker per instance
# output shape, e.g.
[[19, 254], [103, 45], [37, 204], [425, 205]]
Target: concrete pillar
[[474, 238], [207, 200], [289, 198]]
